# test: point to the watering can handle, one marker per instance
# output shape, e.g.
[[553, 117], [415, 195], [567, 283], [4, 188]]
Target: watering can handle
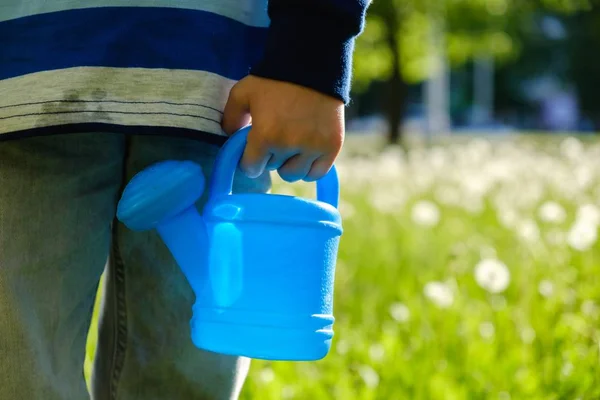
[[229, 156]]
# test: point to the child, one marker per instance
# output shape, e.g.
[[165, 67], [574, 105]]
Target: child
[[93, 91]]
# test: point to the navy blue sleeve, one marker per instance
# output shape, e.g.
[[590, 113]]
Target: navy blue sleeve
[[311, 42]]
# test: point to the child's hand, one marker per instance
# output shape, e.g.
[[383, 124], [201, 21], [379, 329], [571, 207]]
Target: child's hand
[[295, 130]]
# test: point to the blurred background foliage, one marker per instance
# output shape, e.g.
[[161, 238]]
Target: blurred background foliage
[[531, 43]]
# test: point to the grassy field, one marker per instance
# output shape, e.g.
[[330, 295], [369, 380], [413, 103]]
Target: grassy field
[[466, 271]]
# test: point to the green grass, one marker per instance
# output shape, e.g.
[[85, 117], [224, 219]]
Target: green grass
[[537, 339]]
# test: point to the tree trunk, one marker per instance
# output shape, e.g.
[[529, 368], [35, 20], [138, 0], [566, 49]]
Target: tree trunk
[[396, 87], [396, 104]]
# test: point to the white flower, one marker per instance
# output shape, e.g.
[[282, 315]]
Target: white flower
[[425, 213], [570, 296], [553, 212], [508, 217], [391, 160], [266, 375], [527, 335], [288, 392], [571, 148], [473, 205], [399, 312], [438, 157], [447, 195], [566, 369], [439, 293], [582, 235], [546, 288], [503, 396], [376, 352], [346, 209], [528, 230], [555, 237], [589, 308], [588, 213], [477, 185], [583, 176], [487, 330], [369, 376], [487, 252], [342, 347], [387, 202], [492, 275]]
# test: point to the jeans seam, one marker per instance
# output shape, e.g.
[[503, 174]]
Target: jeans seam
[[120, 346], [121, 318]]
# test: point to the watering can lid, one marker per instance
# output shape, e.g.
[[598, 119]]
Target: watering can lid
[[159, 192], [272, 208]]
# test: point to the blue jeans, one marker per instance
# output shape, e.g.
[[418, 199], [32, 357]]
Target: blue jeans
[[58, 234]]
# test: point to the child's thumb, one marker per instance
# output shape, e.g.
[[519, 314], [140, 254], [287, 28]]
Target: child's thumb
[[237, 112]]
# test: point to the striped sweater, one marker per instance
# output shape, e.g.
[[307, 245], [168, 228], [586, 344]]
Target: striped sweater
[[161, 66]]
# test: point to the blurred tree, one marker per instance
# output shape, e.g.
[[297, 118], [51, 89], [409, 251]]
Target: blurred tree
[[380, 55], [565, 6], [583, 53], [394, 47]]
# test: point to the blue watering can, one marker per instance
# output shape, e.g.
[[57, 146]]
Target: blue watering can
[[261, 265]]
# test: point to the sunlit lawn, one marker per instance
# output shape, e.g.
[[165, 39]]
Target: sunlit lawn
[[466, 271]]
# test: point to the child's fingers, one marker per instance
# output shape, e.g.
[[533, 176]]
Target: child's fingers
[[236, 114], [276, 161], [296, 167], [320, 167], [256, 156], [279, 157]]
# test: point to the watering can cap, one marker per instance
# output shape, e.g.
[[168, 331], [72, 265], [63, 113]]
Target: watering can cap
[[160, 191]]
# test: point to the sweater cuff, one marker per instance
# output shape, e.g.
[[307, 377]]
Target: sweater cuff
[[310, 51]]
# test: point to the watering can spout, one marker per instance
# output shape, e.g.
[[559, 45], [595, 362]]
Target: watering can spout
[[183, 232], [163, 197]]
